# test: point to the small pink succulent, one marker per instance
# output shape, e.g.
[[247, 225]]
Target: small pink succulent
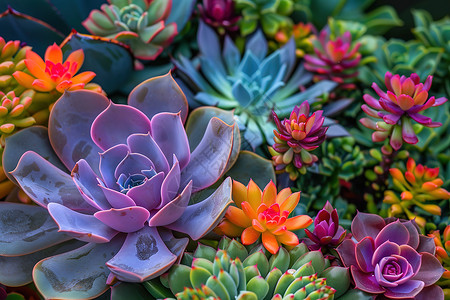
[[405, 98]]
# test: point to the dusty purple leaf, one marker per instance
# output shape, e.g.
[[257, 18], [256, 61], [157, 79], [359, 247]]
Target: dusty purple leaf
[[394, 232], [200, 218], [210, 158], [148, 194], [122, 120], [366, 225], [117, 199], [26, 229], [128, 219], [172, 210], [109, 161], [151, 257], [427, 272], [33, 138], [78, 274], [159, 94], [168, 132], [171, 184], [146, 145], [20, 268], [83, 227], [69, 126], [45, 183]]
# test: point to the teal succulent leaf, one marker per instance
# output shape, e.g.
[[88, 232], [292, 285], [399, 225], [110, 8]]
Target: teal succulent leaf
[[252, 84]]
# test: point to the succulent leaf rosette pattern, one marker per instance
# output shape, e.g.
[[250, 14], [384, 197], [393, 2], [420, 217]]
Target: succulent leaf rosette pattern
[[405, 98], [391, 259], [132, 195], [142, 24]]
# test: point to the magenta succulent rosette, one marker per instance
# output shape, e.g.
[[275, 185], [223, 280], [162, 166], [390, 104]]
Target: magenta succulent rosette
[[391, 259], [133, 175], [405, 98], [327, 231], [219, 14]]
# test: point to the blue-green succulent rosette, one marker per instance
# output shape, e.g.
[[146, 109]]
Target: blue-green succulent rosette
[[132, 177]]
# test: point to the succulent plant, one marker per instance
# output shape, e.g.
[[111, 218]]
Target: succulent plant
[[13, 113], [335, 59], [142, 24], [341, 158], [443, 255], [303, 34], [391, 258], [417, 186], [327, 231], [124, 202], [252, 85], [405, 99], [219, 14], [231, 272], [269, 14], [294, 138], [434, 34], [263, 214], [11, 60]]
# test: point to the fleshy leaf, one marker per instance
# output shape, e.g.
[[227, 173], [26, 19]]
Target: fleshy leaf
[[87, 276], [170, 135], [69, 127], [198, 122], [20, 268], [122, 120], [366, 225], [200, 218], [26, 228], [209, 160], [44, 183], [33, 138], [143, 256], [159, 94], [83, 227]]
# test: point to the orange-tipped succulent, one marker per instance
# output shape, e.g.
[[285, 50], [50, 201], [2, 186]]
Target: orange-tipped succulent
[[263, 214], [417, 185], [53, 74], [442, 243]]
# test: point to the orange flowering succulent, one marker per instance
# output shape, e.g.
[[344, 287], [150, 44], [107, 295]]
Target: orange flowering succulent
[[417, 185], [442, 243], [53, 73], [263, 213]]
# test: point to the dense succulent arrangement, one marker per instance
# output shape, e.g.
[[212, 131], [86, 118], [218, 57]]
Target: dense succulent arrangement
[[223, 149]]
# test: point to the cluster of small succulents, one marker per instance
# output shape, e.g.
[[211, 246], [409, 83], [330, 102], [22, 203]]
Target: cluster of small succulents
[[223, 149]]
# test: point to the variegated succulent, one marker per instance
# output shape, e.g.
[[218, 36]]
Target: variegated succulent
[[233, 272], [252, 85]]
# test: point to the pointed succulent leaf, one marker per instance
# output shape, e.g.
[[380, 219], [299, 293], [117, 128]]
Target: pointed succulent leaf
[[284, 282], [316, 257], [250, 272], [258, 286], [70, 126], [159, 94], [260, 260], [198, 122], [297, 252], [198, 276], [246, 295], [272, 279], [209, 46], [26, 229], [236, 249], [210, 158], [87, 276], [203, 263], [45, 183], [32, 138], [280, 260], [153, 257], [179, 278], [257, 45]]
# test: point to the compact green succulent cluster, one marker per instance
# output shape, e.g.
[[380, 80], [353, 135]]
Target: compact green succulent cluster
[[233, 272], [12, 57]]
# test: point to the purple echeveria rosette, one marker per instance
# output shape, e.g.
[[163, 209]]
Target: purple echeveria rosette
[[327, 231], [404, 100], [391, 259], [132, 178]]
